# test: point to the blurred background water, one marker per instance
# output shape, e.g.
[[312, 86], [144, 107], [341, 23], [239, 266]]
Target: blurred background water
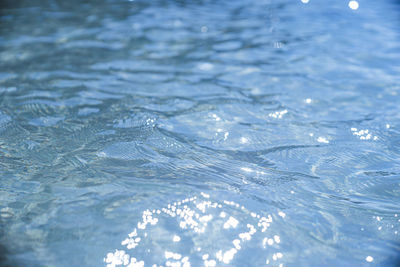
[[208, 133]]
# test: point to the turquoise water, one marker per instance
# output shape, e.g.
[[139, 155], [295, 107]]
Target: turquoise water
[[201, 133]]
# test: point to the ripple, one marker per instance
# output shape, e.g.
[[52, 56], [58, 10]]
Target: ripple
[[46, 121], [4, 120], [114, 113]]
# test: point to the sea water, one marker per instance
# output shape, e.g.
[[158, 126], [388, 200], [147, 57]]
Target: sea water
[[200, 133]]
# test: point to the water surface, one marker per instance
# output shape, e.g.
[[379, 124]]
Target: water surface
[[208, 133]]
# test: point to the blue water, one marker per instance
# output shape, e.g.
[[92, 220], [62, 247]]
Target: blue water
[[200, 133]]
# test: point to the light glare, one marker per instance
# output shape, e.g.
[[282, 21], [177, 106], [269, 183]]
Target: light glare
[[353, 5]]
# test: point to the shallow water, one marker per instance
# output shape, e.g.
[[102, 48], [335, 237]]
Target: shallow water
[[205, 132]]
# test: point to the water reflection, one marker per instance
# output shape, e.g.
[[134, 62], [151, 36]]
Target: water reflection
[[207, 223], [110, 110]]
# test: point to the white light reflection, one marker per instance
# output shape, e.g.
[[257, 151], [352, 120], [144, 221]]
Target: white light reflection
[[201, 217], [215, 116], [369, 259], [226, 135], [322, 140], [244, 140], [353, 5], [364, 134], [231, 222], [278, 114]]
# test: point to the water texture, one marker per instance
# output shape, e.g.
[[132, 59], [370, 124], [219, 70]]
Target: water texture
[[200, 133]]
